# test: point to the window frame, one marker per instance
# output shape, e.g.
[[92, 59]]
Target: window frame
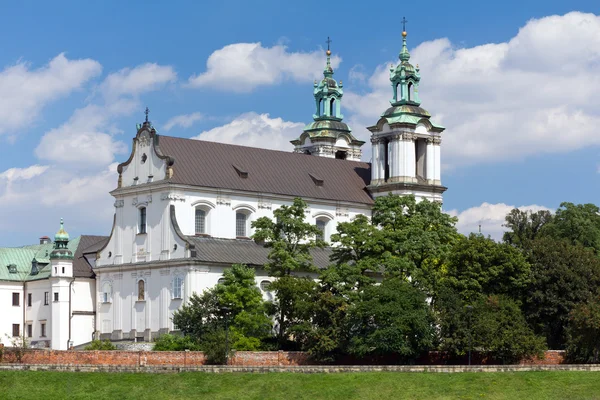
[[16, 328], [16, 299], [326, 232], [42, 328], [177, 288], [141, 295], [142, 220], [46, 298], [29, 299], [204, 222], [29, 330], [237, 225], [106, 297], [55, 297]]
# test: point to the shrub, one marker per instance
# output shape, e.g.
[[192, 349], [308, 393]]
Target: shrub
[[168, 342], [100, 345]]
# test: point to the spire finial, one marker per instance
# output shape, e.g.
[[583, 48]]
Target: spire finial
[[328, 70], [328, 43], [404, 21], [147, 112]]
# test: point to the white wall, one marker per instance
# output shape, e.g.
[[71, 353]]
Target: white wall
[[10, 314], [39, 312]]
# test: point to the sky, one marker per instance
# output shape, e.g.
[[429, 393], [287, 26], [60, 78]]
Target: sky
[[516, 84]]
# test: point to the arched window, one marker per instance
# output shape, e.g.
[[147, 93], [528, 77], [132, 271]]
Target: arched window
[[265, 287], [221, 281], [398, 92], [410, 91], [106, 292], [200, 221], [332, 107], [141, 290], [241, 224], [177, 287], [322, 225], [142, 224], [321, 107]]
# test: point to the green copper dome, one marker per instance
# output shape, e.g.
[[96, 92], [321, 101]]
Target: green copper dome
[[61, 240], [405, 79]]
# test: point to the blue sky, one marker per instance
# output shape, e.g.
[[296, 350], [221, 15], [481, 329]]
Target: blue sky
[[515, 84]]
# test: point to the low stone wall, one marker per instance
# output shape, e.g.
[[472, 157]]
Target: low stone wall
[[305, 369], [124, 358]]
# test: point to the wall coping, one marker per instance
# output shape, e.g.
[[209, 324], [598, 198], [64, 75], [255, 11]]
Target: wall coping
[[299, 369]]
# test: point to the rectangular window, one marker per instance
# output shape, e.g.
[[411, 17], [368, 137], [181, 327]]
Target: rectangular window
[[142, 220], [43, 329], [177, 284], [29, 330], [46, 298], [15, 300], [29, 300], [200, 221], [240, 224], [55, 296], [16, 330]]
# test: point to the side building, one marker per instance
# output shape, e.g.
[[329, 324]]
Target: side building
[[47, 292]]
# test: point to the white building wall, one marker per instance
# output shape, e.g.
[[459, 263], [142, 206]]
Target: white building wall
[[10, 314], [40, 311]]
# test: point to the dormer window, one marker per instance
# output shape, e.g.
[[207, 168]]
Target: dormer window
[[12, 268]]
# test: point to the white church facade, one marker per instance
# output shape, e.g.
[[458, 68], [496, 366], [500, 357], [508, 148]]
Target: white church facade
[[184, 208]]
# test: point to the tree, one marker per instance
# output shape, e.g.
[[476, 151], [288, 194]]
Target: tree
[[391, 318], [563, 275], [290, 239], [480, 266], [237, 299], [577, 223], [416, 236], [583, 338], [494, 325], [524, 226]]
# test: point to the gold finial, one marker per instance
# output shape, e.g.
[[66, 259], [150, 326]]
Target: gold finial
[[328, 41], [328, 52], [404, 33], [404, 21]]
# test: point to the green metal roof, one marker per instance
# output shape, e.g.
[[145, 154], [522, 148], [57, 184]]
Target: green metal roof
[[21, 257]]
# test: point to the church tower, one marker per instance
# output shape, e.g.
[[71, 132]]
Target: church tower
[[405, 142], [61, 276], [327, 135]]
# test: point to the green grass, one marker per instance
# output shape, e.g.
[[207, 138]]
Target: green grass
[[288, 386]]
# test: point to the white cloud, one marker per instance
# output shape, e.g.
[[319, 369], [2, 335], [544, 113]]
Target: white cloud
[[24, 92], [134, 81], [256, 130], [535, 93], [242, 67], [83, 139], [184, 121], [489, 216], [16, 174]]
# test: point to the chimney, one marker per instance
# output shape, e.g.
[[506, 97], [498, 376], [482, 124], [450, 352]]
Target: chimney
[[44, 240]]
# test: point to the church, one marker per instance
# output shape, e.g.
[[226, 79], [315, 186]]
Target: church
[[184, 209]]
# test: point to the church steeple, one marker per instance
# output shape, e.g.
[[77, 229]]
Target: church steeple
[[405, 142], [405, 78], [327, 135]]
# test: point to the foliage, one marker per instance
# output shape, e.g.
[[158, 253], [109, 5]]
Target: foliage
[[563, 275], [524, 226], [19, 346], [100, 345], [480, 266], [290, 239], [169, 342], [236, 302], [494, 324], [391, 318], [583, 343], [577, 223]]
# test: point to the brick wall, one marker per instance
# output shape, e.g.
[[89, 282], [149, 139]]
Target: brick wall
[[241, 358]]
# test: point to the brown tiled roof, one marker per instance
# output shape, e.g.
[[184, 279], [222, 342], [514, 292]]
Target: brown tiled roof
[[217, 165], [244, 251], [87, 244]]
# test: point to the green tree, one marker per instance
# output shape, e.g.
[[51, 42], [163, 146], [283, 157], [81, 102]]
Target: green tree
[[480, 266], [583, 343], [577, 223], [290, 239], [495, 325], [563, 276], [237, 299], [391, 318], [524, 226]]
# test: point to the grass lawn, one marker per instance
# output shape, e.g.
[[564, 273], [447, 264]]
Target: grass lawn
[[288, 386]]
